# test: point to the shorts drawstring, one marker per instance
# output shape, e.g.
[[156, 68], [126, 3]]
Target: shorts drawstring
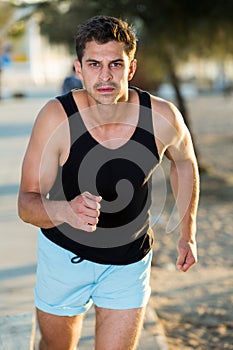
[[76, 259]]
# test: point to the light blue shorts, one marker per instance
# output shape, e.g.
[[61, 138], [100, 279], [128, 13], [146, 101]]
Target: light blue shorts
[[67, 289]]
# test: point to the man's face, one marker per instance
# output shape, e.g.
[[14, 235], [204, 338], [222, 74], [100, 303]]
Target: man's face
[[105, 71]]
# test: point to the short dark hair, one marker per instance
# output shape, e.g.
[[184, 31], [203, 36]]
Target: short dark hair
[[103, 29]]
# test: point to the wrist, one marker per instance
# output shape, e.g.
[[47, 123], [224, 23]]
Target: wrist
[[62, 211], [188, 232], [188, 239], [57, 211]]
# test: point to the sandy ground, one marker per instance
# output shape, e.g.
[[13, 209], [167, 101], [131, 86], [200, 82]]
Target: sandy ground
[[196, 307]]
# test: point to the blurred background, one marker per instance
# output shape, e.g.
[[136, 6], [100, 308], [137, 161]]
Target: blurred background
[[185, 54], [184, 47]]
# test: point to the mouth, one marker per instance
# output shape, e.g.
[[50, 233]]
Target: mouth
[[105, 90]]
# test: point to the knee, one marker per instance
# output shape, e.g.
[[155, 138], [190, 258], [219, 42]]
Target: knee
[[54, 345]]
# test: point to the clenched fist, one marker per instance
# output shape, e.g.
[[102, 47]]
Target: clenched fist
[[85, 212]]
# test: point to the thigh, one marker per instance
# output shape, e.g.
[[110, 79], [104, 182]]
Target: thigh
[[125, 286], [59, 332], [62, 287], [118, 329]]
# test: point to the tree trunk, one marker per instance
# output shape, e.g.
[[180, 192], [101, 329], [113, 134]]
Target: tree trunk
[[181, 104], [0, 83]]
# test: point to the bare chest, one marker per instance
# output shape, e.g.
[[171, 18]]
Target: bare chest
[[113, 135]]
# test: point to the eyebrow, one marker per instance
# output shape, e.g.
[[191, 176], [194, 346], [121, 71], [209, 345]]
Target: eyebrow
[[96, 61]]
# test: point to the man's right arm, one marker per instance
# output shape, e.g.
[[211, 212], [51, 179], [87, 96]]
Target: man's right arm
[[48, 148]]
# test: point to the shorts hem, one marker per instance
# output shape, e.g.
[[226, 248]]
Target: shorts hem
[[107, 304], [62, 311]]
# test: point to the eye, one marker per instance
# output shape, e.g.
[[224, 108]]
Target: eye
[[116, 65], [94, 64]]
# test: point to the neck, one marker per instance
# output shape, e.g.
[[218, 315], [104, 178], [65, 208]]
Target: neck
[[95, 114], [106, 113], [110, 113]]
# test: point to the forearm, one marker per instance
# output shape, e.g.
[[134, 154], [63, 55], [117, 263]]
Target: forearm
[[35, 209], [185, 185], [82, 212]]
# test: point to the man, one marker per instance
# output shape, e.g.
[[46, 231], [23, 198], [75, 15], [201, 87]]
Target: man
[[86, 182]]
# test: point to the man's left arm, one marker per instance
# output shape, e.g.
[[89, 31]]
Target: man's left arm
[[184, 178]]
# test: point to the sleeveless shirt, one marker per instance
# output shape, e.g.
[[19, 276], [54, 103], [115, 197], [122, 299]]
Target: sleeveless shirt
[[121, 176]]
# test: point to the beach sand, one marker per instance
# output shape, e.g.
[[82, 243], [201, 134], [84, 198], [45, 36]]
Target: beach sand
[[196, 307]]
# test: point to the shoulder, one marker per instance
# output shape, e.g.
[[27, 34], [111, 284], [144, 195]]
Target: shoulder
[[51, 114], [167, 116], [53, 106], [169, 127], [162, 109], [166, 110], [50, 126], [50, 133]]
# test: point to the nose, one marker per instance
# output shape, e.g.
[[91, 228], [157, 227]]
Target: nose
[[105, 74]]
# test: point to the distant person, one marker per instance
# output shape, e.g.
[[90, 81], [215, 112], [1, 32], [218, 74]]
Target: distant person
[[71, 82]]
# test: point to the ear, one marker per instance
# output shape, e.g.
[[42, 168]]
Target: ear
[[132, 69], [78, 69]]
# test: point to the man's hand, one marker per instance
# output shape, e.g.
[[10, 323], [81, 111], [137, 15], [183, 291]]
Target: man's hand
[[187, 255], [85, 212]]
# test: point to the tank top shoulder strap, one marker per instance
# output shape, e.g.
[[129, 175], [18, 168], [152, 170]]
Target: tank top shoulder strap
[[76, 125], [145, 130], [145, 116], [68, 103], [144, 97]]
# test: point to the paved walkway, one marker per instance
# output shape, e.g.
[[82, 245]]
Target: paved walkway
[[18, 243], [152, 337], [20, 332]]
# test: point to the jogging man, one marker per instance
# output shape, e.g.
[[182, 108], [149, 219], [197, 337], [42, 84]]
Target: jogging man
[[86, 183]]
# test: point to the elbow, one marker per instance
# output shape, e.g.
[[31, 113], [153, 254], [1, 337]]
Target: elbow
[[22, 215], [22, 208], [21, 211]]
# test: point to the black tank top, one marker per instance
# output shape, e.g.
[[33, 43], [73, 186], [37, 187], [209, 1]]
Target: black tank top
[[121, 176]]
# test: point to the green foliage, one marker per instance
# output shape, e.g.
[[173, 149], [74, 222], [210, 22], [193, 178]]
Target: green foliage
[[6, 11], [17, 29], [166, 28], [9, 27]]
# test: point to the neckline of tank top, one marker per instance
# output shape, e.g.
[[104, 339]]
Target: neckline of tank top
[[128, 140]]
